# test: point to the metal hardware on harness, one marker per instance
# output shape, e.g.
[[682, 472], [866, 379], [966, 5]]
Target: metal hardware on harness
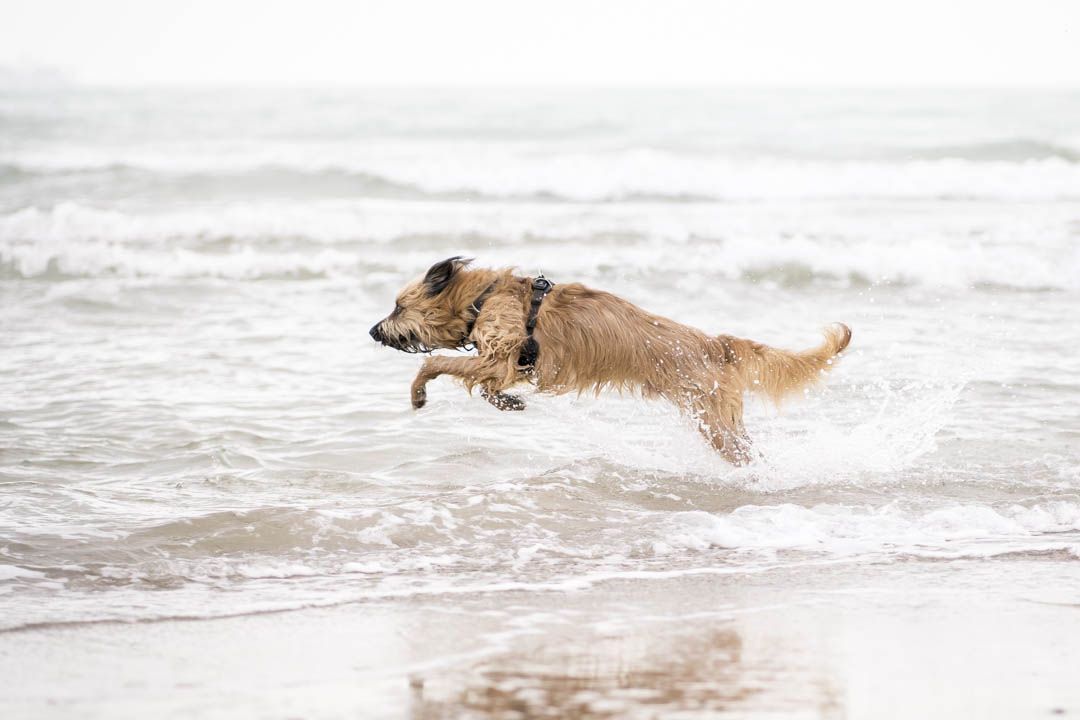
[[530, 349]]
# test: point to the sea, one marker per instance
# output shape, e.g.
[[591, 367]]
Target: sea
[[194, 422]]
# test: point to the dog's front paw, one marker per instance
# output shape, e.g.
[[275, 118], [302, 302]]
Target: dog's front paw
[[419, 397]]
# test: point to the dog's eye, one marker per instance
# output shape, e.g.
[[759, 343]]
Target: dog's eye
[[398, 309]]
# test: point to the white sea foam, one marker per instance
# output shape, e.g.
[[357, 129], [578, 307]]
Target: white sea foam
[[861, 438], [515, 170], [892, 431], [10, 572], [252, 241], [952, 530]]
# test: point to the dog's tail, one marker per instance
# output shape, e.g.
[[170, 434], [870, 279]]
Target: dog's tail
[[776, 373]]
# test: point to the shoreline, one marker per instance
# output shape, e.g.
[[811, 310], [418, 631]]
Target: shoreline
[[859, 640]]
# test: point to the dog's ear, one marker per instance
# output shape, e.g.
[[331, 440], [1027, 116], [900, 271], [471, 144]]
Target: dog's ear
[[441, 273]]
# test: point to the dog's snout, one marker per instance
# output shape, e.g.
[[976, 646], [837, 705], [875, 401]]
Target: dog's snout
[[376, 333]]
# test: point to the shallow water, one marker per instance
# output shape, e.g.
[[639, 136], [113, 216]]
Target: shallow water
[[194, 422]]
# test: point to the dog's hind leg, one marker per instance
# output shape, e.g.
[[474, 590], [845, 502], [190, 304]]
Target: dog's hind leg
[[490, 375], [719, 418]]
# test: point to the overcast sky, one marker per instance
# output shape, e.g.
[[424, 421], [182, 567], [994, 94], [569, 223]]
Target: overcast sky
[[548, 42]]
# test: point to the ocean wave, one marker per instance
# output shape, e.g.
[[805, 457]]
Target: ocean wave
[[1008, 151], [526, 533], [122, 180], [393, 240], [955, 530], [536, 173], [749, 539], [11, 173], [790, 265], [113, 260]]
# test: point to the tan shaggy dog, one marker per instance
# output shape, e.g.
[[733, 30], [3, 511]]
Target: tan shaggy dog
[[590, 340]]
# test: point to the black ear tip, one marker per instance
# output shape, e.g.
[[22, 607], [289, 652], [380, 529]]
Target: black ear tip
[[456, 261], [440, 274], [450, 264]]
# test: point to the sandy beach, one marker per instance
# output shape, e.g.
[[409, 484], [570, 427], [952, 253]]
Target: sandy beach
[[827, 640]]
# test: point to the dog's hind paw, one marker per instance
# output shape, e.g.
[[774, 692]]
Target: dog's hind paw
[[419, 397], [503, 401]]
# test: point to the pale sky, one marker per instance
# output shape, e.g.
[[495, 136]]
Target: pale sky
[[549, 42]]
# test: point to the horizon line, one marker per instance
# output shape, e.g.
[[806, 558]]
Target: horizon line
[[66, 83]]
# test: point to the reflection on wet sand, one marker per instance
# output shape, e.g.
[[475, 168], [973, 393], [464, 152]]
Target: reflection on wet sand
[[636, 676]]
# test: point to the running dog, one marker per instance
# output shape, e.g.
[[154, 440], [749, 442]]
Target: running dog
[[570, 338]]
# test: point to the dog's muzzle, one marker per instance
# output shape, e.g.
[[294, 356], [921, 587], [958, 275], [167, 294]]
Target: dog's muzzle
[[404, 343]]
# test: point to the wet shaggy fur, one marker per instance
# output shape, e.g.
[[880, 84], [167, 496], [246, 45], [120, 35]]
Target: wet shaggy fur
[[591, 341]]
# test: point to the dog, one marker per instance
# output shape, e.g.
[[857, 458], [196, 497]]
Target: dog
[[570, 338]]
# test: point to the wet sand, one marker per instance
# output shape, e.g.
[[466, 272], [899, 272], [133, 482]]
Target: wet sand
[[832, 640]]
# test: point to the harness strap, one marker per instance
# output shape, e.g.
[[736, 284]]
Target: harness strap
[[530, 349]]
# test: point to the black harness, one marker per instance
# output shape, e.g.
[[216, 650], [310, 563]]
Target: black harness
[[530, 349]]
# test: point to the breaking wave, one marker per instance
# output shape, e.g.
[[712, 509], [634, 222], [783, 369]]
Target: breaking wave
[[1011, 151], [258, 241], [1003, 171]]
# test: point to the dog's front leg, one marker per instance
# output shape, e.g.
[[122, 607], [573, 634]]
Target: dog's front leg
[[473, 371]]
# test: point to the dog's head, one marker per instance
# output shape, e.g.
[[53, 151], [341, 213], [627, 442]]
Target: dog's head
[[431, 312]]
